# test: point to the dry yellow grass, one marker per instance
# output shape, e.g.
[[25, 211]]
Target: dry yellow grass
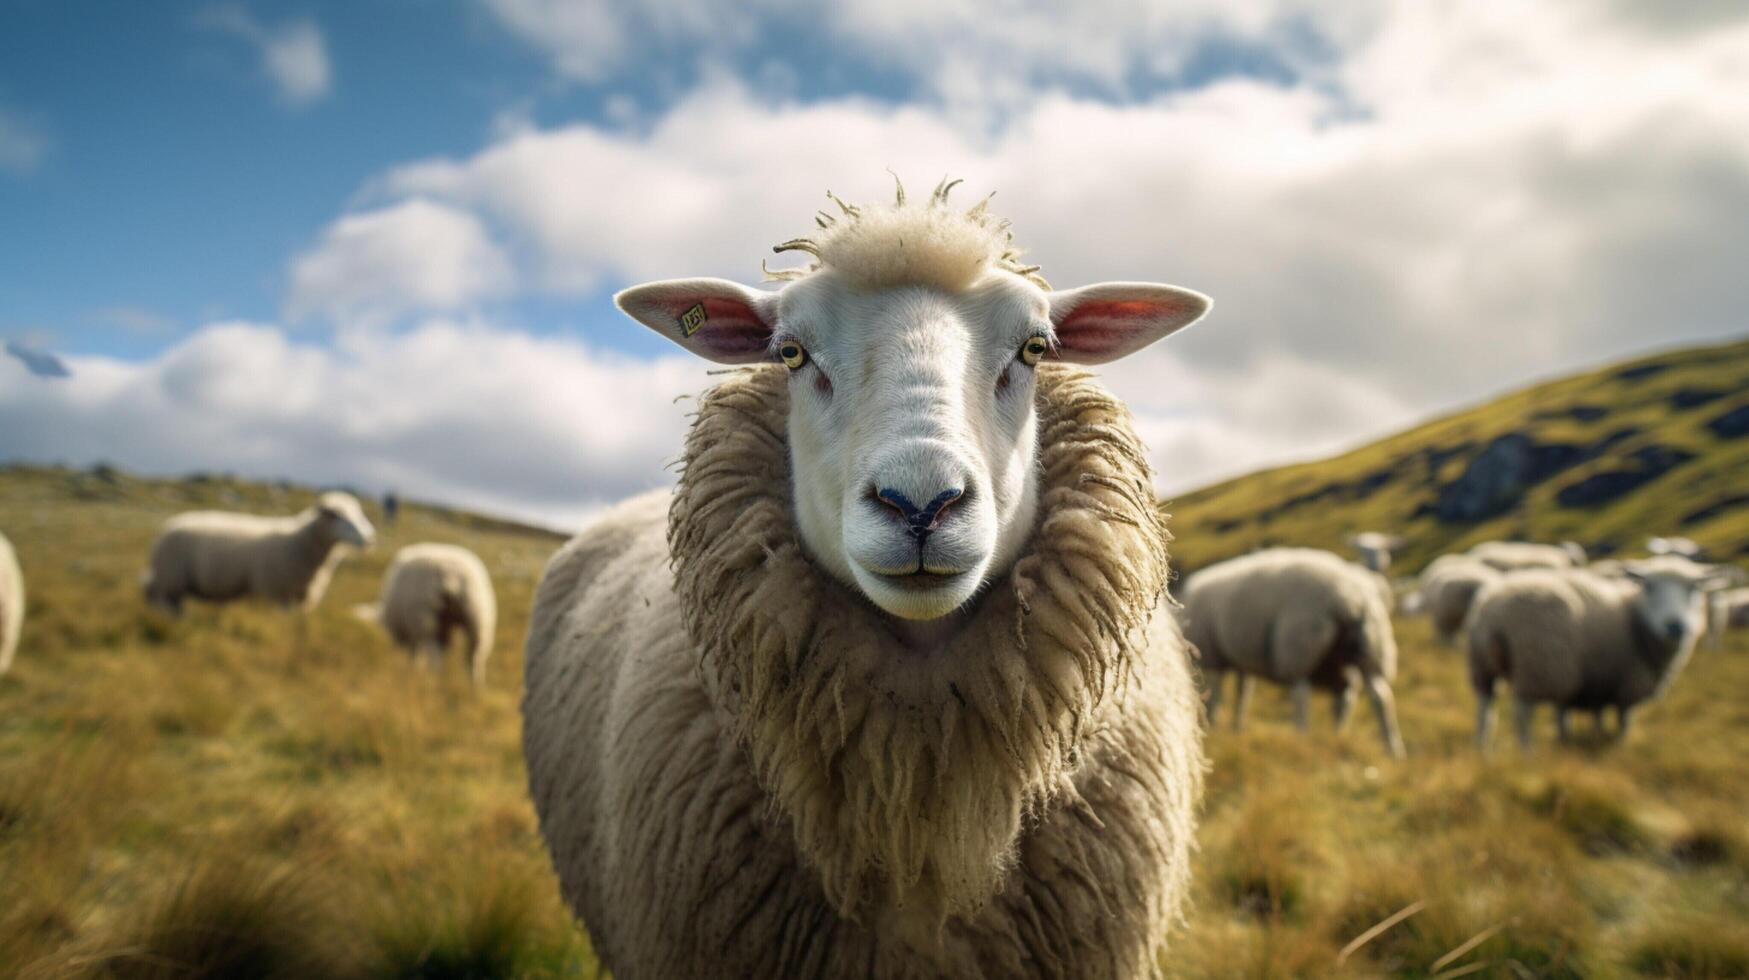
[[270, 797]]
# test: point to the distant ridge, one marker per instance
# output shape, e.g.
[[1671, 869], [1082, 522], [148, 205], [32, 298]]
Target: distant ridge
[[1654, 445]]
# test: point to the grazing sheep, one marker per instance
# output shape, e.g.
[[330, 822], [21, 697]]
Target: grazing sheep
[[220, 556], [1577, 640], [1512, 556], [11, 603], [1448, 588], [431, 592], [1299, 617], [890, 691], [1375, 548]]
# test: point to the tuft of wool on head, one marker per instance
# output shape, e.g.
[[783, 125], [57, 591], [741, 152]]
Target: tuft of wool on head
[[878, 247], [900, 774]]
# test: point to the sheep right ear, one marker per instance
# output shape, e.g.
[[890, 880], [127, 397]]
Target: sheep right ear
[[716, 319]]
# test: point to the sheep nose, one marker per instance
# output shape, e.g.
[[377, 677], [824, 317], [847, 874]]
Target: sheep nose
[[920, 521]]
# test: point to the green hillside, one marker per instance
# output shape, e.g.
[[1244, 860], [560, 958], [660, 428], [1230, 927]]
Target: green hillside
[[1658, 445]]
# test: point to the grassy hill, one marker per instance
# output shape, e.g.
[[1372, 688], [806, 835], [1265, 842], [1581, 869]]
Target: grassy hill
[[1658, 445], [246, 793]]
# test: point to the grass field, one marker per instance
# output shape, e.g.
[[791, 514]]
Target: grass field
[[255, 794]]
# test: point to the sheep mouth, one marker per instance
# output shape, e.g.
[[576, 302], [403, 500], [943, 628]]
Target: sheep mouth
[[922, 581]]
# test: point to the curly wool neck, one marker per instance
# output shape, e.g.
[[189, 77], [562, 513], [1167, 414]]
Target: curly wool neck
[[906, 777]]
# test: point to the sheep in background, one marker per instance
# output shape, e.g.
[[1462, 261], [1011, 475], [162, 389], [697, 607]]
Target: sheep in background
[[11, 603], [430, 593], [220, 556], [1512, 556], [1448, 587], [1375, 548], [1298, 617], [1580, 641], [887, 687]]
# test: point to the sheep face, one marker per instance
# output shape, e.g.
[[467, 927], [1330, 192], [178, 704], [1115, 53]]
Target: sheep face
[[1375, 549], [1669, 603], [911, 422], [343, 520]]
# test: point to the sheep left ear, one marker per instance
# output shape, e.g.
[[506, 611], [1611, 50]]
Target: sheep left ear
[[716, 319], [1108, 320]]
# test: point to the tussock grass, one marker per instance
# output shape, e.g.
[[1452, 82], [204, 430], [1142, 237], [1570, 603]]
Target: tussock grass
[[252, 794], [227, 918]]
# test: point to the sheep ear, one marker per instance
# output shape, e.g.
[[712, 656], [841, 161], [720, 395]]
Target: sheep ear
[[1108, 320], [716, 319]]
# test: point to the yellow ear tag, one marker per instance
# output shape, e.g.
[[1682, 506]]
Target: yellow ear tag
[[691, 320]]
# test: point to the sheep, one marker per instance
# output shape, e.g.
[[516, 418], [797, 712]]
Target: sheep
[[1509, 556], [1300, 617], [220, 556], [11, 603], [1673, 545], [1376, 548], [886, 686], [1578, 640], [1447, 589], [430, 592]]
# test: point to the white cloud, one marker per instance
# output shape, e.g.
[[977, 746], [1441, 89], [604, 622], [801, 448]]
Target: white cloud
[[1451, 231], [545, 429], [1468, 197], [413, 256], [22, 143], [294, 56], [963, 51]]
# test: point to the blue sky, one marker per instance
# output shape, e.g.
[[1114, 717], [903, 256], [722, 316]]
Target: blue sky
[[178, 178], [238, 223]]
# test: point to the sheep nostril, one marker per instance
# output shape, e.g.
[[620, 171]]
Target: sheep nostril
[[937, 509]]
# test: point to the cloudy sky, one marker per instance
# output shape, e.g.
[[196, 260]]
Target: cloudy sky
[[373, 242]]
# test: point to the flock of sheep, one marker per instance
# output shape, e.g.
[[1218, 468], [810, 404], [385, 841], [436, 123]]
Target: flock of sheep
[[892, 684], [1605, 635], [431, 592]]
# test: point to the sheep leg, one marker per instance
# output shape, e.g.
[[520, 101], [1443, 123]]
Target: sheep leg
[[1211, 695], [1384, 705], [1522, 715], [1623, 714], [1484, 720], [1242, 699], [1341, 706], [1597, 720], [476, 659], [1302, 693], [1562, 731]]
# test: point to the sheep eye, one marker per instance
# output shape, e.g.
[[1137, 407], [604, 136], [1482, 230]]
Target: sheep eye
[[1034, 350], [792, 354]]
